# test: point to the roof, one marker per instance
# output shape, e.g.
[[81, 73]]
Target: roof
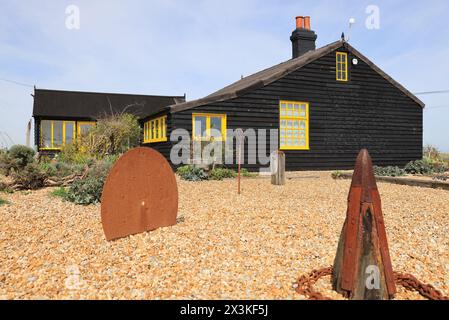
[[93, 105], [267, 76]]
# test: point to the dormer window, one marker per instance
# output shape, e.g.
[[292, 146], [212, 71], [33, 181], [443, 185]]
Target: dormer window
[[342, 66]]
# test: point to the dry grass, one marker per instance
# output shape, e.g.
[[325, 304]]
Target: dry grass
[[252, 246]]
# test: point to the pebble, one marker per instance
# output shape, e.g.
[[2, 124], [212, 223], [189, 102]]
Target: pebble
[[225, 245]]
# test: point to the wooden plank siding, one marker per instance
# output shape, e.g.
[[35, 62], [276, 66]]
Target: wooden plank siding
[[365, 112]]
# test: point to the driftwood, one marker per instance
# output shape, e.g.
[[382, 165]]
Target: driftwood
[[362, 266], [50, 181]]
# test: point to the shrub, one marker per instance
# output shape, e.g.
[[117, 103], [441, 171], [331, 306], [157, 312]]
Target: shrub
[[114, 134], [22, 155], [75, 153], [3, 201], [221, 173], [60, 192], [336, 174], [423, 166], [88, 190], [431, 152], [389, 171], [191, 173], [245, 173], [30, 177], [4, 187]]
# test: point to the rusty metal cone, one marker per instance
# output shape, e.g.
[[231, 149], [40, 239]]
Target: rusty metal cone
[[362, 266]]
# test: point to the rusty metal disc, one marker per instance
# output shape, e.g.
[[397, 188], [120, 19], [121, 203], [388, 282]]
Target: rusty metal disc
[[140, 194]]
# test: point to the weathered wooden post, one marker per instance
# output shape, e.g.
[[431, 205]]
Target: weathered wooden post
[[362, 266], [277, 167], [240, 139]]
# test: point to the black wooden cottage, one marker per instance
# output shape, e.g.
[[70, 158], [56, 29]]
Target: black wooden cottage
[[326, 104], [61, 116]]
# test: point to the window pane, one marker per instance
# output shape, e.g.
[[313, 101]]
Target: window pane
[[200, 126], [84, 128], [46, 134], [69, 126], [57, 134], [215, 126], [157, 128]]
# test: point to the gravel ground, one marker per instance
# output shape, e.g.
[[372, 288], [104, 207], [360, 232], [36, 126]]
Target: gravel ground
[[252, 246]]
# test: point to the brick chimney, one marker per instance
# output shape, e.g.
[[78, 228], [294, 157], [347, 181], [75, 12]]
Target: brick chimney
[[302, 38]]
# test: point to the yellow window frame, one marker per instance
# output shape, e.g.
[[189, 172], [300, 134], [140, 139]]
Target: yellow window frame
[[341, 67], [294, 118], [80, 123], [52, 137], [208, 116], [155, 130]]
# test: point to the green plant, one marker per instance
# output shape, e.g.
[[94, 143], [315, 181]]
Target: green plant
[[60, 192], [245, 173], [389, 171], [336, 174], [191, 173], [425, 166], [23, 155], [221, 173], [114, 134], [75, 153], [88, 190], [30, 177], [3, 201]]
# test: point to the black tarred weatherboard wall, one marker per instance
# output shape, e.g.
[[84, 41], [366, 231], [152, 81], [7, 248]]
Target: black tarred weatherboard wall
[[365, 112]]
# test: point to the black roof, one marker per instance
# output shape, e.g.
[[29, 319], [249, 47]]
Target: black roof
[[267, 76], [93, 105]]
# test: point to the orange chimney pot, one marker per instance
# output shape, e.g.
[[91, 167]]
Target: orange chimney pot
[[299, 22], [307, 23]]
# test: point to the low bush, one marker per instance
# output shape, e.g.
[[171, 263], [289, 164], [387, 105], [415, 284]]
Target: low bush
[[389, 171], [221, 173], [245, 173], [60, 192], [336, 174], [22, 155], [3, 201], [191, 173], [88, 190], [31, 177], [424, 166]]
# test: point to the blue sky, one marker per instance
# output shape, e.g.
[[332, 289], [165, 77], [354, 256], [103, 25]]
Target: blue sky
[[172, 47]]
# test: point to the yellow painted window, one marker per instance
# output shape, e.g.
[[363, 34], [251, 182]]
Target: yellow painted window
[[56, 133], [206, 127], [293, 125], [155, 130], [84, 127], [342, 66]]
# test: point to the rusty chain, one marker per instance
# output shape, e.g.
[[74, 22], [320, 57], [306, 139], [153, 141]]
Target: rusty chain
[[409, 282]]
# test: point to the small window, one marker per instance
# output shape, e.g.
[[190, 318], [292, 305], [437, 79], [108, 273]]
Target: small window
[[155, 130], [84, 127], [293, 125], [208, 127], [342, 66]]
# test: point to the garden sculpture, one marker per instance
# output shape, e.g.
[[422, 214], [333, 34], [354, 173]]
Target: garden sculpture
[[140, 194]]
